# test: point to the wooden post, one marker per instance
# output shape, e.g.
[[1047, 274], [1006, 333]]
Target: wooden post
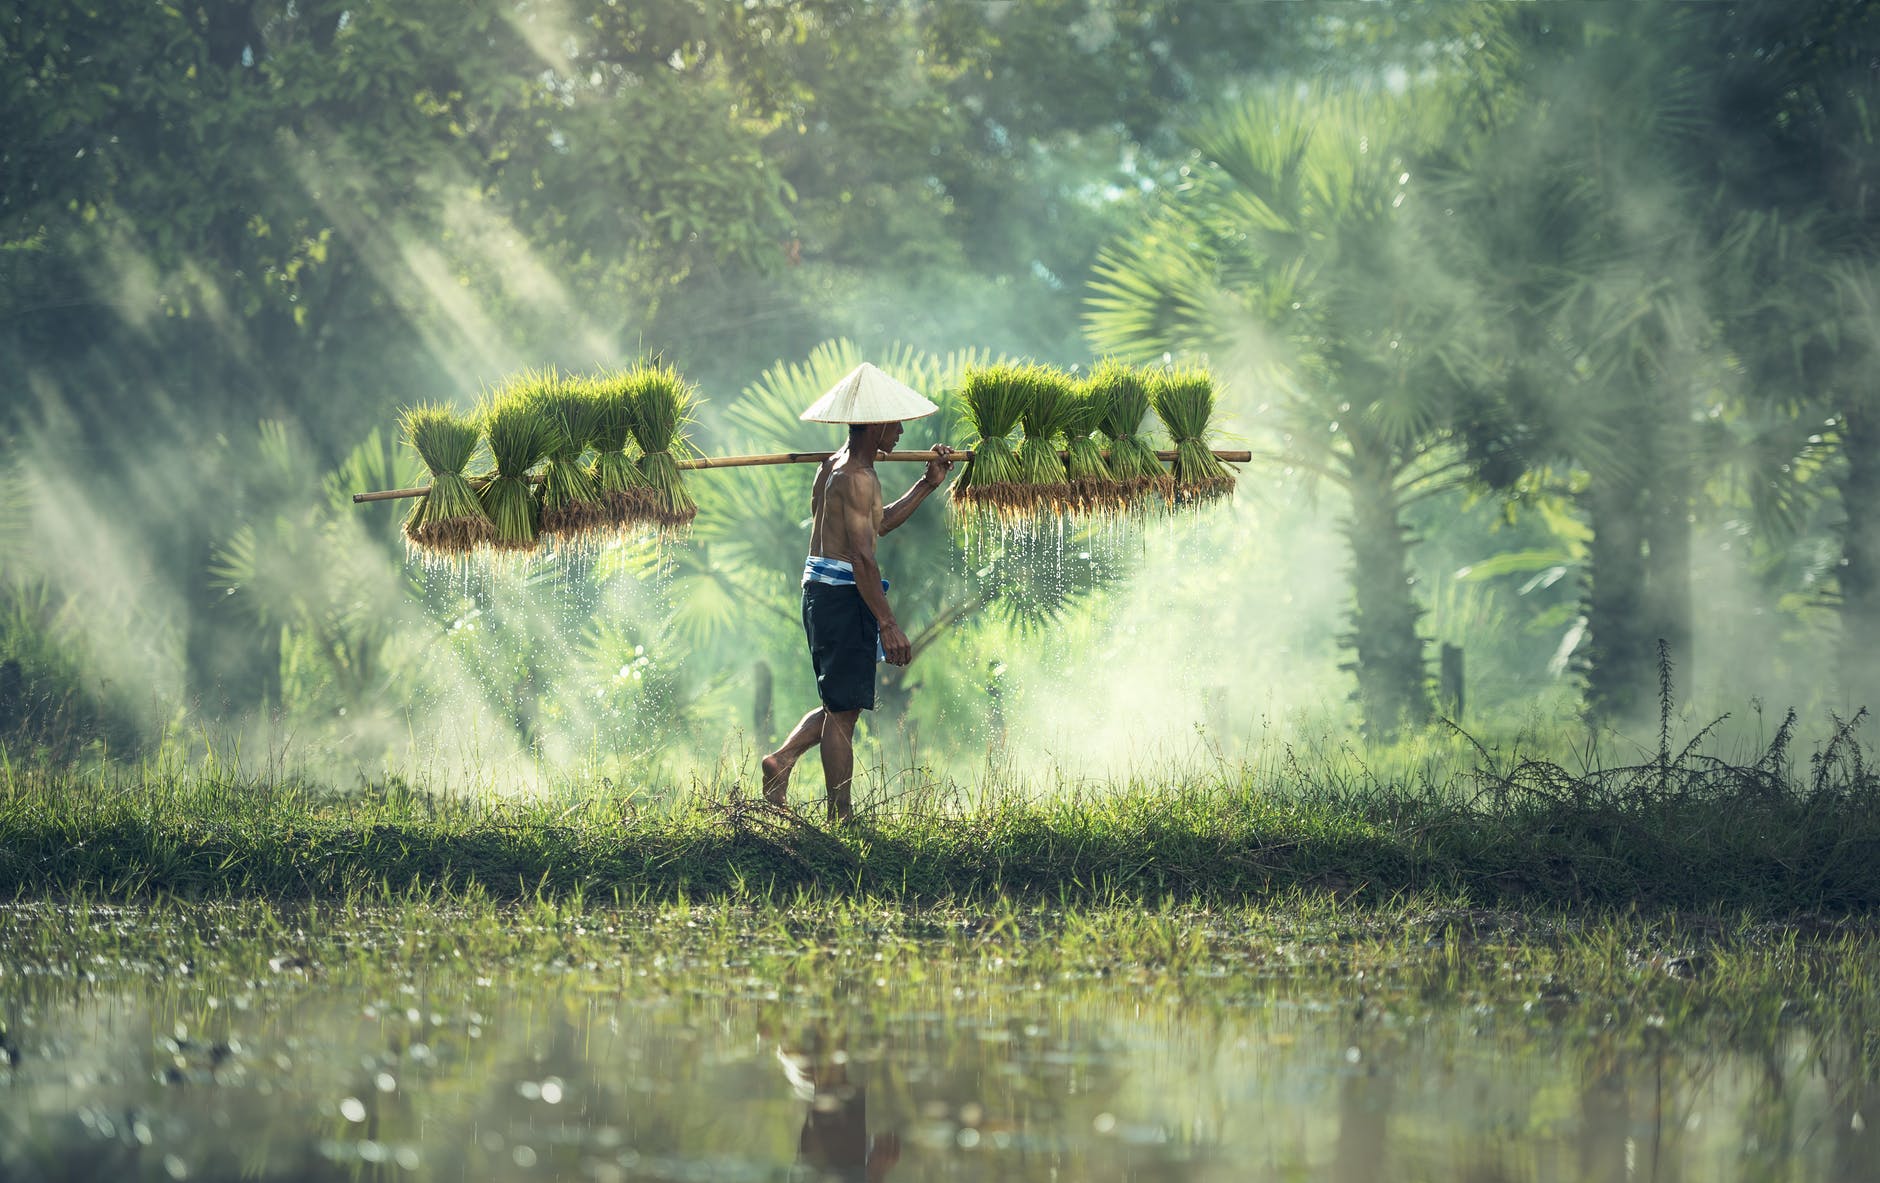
[[1449, 692]]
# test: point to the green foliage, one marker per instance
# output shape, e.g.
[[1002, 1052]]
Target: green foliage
[[1286, 259], [315, 588], [1610, 262]]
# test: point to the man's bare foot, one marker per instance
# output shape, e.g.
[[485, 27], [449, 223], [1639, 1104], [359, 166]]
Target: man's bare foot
[[841, 813], [776, 779]]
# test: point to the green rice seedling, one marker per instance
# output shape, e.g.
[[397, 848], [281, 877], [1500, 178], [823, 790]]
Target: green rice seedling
[[1045, 485], [516, 423], [625, 496], [994, 400], [663, 403], [571, 504], [1093, 489], [1139, 477], [448, 521], [1184, 400]]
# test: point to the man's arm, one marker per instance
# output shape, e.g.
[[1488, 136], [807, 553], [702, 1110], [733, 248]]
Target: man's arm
[[930, 480], [858, 514]]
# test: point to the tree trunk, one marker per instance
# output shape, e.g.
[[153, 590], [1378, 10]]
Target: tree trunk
[[1393, 688], [1860, 553], [1617, 662]]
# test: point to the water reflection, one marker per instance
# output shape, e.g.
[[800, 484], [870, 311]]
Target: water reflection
[[836, 1143], [575, 1077]]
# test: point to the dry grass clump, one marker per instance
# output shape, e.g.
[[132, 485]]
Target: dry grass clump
[[991, 483], [520, 435], [448, 521], [1184, 400], [663, 403], [1140, 480], [571, 504], [626, 498]]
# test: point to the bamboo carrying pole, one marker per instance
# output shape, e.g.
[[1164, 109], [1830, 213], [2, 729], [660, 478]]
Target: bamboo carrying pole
[[776, 458]]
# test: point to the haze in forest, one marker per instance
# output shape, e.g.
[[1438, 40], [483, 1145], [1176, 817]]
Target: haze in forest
[[1550, 327]]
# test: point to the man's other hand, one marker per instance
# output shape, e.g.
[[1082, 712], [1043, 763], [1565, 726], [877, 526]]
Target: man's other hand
[[940, 466], [895, 644]]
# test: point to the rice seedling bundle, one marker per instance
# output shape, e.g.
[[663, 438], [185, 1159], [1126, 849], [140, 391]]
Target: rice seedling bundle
[[1045, 486], [448, 520], [1093, 490], [994, 399], [626, 498], [1124, 392], [571, 505], [520, 435], [1184, 401], [663, 403]]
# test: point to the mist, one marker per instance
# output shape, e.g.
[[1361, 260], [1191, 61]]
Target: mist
[[1602, 352]]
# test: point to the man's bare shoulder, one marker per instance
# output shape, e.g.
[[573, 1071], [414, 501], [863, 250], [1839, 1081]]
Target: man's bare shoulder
[[845, 481]]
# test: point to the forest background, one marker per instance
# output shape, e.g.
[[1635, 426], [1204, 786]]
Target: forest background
[[1550, 325]]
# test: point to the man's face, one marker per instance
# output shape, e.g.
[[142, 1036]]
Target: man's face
[[890, 436]]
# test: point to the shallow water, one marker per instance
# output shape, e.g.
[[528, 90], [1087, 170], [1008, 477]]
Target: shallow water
[[397, 1056]]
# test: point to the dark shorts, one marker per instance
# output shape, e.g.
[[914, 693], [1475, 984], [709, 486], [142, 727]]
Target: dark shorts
[[843, 635]]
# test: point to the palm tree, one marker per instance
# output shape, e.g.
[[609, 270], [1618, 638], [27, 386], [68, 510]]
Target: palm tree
[[1291, 254], [1800, 167], [1650, 183], [1577, 226]]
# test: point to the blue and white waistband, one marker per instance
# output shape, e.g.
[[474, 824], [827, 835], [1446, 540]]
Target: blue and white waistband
[[837, 573]]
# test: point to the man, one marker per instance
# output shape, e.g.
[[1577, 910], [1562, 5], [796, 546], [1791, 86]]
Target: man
[[845, 600]]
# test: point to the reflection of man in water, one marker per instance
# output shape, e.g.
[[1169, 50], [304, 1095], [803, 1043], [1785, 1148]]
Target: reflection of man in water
[[834, 1143]]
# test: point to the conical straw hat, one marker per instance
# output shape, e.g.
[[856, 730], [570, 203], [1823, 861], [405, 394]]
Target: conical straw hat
[[868, 396]]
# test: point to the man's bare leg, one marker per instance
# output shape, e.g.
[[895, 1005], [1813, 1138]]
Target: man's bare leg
[[777, 765], [838, 761]]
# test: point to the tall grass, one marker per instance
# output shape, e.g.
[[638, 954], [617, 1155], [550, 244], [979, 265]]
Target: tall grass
[[1679, 830]]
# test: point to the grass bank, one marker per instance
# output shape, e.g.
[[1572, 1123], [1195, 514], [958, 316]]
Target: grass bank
[[1681, 831]]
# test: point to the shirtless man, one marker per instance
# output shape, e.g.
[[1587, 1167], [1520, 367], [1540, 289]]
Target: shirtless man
[[845, 602]]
